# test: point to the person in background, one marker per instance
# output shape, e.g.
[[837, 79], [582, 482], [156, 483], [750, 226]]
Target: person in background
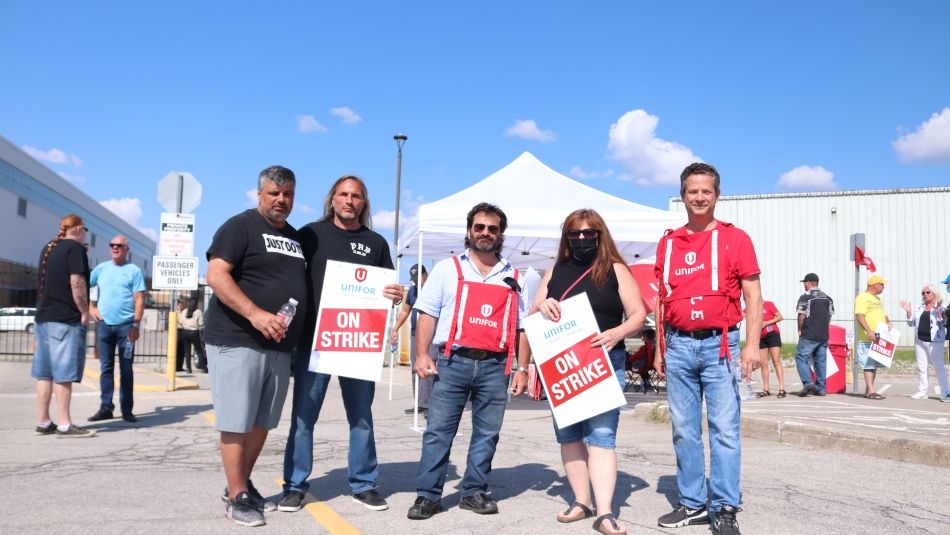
[[425, 385], [118, 313], [814, 310], [588, 262], [868, 316], [62, 313], [641, 362], [191, 321], [930, 332], [770, 345], [182, 357]]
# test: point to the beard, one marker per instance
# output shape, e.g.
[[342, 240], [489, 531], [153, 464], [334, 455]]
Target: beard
[[487, 244]]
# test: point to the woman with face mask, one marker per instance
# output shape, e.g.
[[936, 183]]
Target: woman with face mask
[[588, 262]]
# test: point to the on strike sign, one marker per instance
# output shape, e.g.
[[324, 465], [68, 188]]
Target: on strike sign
[[350, 336], [883, 350], [578, 378]]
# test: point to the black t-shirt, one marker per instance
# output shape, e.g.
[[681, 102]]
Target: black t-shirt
[[322, 241], [605, 300], [56, 303], [923, 327], [818, 309], [269, 268]]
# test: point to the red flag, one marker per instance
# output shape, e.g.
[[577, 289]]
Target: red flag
[[861, 260]]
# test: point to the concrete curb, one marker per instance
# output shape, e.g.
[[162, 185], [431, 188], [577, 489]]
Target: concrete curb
[[919, 451]]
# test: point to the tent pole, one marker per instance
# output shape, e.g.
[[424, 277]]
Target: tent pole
[[392, 322]]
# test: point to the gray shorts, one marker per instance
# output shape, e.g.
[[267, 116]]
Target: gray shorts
[[248, 387]]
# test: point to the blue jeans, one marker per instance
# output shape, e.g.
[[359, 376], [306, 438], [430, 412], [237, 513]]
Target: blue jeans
[[817, 351], [112, 337], [695, 371], [309, 391], [461, 379]]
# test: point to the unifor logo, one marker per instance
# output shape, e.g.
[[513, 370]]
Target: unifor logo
[[690, 258], [486, 310], [360, 274]]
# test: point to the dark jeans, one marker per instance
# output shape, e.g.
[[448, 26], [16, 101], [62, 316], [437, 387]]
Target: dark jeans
[[186, 341], [112, 337]]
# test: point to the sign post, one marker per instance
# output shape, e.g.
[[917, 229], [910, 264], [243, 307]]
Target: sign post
[[857, 240], [176, 267]]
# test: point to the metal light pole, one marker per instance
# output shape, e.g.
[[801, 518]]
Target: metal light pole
[[400, 141]]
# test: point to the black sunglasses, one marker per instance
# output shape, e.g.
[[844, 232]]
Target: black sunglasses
[[116, 245], [493, 229], [589, 232]]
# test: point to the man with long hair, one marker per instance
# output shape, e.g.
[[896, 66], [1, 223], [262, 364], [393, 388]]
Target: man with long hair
[[343, 234]]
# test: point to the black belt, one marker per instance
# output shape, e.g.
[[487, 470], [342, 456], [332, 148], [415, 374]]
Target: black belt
[[702, 334], [475, 354]]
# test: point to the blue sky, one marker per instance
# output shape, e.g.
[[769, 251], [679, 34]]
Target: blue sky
[[801, 96]]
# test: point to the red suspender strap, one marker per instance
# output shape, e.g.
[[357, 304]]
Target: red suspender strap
[[512, 327], [575, 283], [458, 308]]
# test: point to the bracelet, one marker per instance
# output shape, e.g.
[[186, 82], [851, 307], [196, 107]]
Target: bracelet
[[522, 369]]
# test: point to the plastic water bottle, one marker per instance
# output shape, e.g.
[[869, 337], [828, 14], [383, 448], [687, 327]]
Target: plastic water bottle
[[287, 311], [745, 384]]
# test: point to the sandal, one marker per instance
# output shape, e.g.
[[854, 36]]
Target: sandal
[[566, 517], [781, 394], [611, 527], [763, 394], [874, 396]]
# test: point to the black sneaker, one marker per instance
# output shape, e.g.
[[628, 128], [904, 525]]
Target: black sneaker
[[260, 502], [810, 389], [423, 508], [291, 501], [100, 415], [46, 429], [243, 511], [479, 503], [683, 516], [75, 431], [725, 522], [371, 499], [129, 417]]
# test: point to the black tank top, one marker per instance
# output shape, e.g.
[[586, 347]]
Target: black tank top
[[605, 300]]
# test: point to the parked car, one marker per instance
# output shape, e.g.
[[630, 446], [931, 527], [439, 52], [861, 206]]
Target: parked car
[[17, 319]]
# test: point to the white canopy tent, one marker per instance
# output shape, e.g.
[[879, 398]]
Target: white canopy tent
[[536, 200]]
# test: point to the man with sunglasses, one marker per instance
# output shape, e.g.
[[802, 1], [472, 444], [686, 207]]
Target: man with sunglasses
[[117, 312], [471, 309]]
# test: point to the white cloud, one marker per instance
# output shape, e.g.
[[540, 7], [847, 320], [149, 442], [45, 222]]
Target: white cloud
[[251, 195], [809, 178], [307, 124], [528, 129], [647, 159], [346, 114], [929, 143], [53, 155], [75, 179], [130, 210], [579, 172], [303, 208], [408, 208]]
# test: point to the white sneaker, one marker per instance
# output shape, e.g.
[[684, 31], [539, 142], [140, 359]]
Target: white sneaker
[[919, 395]]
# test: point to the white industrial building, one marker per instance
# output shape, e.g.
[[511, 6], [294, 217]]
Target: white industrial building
[[907, 236], [34, 199]]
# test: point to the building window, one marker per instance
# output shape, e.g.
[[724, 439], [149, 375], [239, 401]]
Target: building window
[[21, 207]]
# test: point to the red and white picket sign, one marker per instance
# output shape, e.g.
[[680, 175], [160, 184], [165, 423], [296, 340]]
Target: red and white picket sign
[[883, 350], [578, 378], [350, 338]]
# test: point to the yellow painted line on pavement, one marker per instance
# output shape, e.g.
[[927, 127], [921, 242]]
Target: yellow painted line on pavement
[[327, 517], [181, 384], [320, 511]]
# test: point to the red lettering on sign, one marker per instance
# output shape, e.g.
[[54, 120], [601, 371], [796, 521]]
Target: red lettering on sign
[[348, 330], [884, 347], [574, 371]]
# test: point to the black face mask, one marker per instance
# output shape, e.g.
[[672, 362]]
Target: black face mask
[[583, 249]]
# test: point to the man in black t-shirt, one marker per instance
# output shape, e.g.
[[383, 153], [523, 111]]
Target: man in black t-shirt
[[255, 264], [62, 314], [342, 234], [814, 309]]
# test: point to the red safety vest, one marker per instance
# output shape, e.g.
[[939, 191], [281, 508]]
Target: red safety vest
[[485, 316], [699, 269]]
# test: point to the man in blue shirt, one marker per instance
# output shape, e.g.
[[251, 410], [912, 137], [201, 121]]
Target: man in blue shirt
[[118, 312]]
